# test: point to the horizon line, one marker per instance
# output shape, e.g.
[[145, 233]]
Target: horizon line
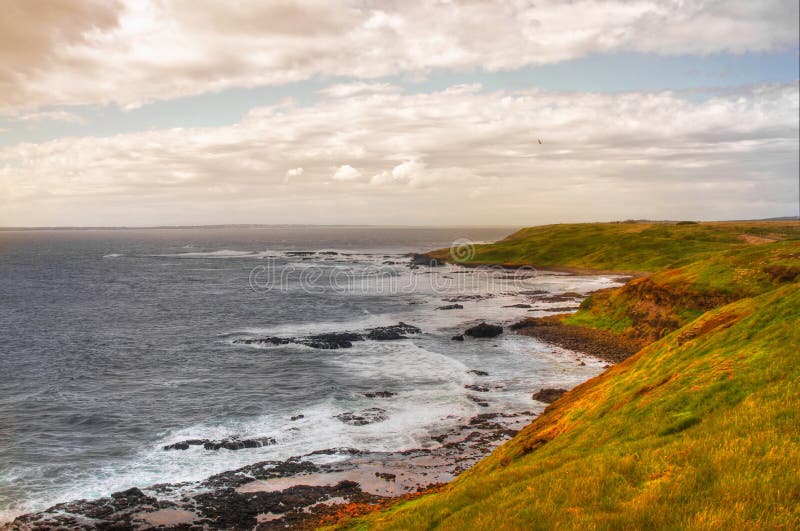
[[353, 225]]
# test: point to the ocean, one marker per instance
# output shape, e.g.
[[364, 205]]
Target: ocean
[[116, 343]]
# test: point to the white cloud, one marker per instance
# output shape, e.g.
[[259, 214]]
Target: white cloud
[[346, 173], [49, 116], [411, 170], [294, 172], [91, 51], [425, 158], [345, 90]]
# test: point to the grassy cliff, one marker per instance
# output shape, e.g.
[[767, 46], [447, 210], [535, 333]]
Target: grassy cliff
[[701, 428], [647, 308], [623, 247]]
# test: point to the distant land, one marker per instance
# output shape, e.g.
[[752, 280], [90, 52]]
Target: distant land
[[267, 225]]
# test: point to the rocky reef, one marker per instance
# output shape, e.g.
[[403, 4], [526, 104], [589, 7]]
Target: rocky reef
[[337, 340]]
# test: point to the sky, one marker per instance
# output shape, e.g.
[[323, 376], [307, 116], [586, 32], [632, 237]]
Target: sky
[[467, 112]]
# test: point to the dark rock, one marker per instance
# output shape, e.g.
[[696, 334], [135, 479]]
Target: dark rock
[[548, 396], [264, 341], [342, 450], [556, 309], [461, 298], [228, 509], [517, 306], [484, 330], [563, 297], [478, 388], [483, 418], [588, 341], [386, 476], [424, 259], [298, 417], [477, 372], [380, 394], [363, 417], [459, 337], [480, 401], [130, 493], [238, 444], [451, 307], [331, 341], [385, 335], [388, 333], [184, 445], [337, 340], [534, 292]]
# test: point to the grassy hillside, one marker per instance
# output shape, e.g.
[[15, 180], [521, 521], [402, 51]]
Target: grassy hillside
[[648, 308], [701, 428], [634, 247]]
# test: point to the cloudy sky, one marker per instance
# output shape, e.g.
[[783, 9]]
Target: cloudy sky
[[460, 112]]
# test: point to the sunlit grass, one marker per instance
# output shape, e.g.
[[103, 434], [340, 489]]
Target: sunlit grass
[[637, 247], [657, 304], [700, 429], [701, 433]]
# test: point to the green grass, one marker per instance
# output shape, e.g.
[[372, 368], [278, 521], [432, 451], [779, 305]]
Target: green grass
[[695, 431], [648, 308], [700, 429], [633, 247]]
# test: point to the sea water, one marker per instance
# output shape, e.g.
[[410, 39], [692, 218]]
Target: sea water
[[115, 343]]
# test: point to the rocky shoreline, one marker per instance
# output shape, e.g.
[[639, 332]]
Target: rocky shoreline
[[597, 343], [307, 489], [293, 493]]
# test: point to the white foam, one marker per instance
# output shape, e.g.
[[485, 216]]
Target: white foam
[[357, 324], [223, 253], [314, 256], [427, 372], [411, 416]]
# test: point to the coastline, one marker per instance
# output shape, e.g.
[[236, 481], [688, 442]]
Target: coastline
[[717, 320], [313, 487], [591, 341]]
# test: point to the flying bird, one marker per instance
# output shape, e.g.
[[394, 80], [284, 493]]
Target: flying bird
[[540, 140]]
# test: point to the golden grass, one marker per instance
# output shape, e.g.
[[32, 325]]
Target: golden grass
[[698, 430], [699, 434]]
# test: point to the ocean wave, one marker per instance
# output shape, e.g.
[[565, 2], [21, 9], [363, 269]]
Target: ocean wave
[[294, 255], [407, 421], [222, 253]]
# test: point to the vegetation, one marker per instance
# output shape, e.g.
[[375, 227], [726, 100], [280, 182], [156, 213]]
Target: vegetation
[[699, 429], [648, 308], [623, 247]]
